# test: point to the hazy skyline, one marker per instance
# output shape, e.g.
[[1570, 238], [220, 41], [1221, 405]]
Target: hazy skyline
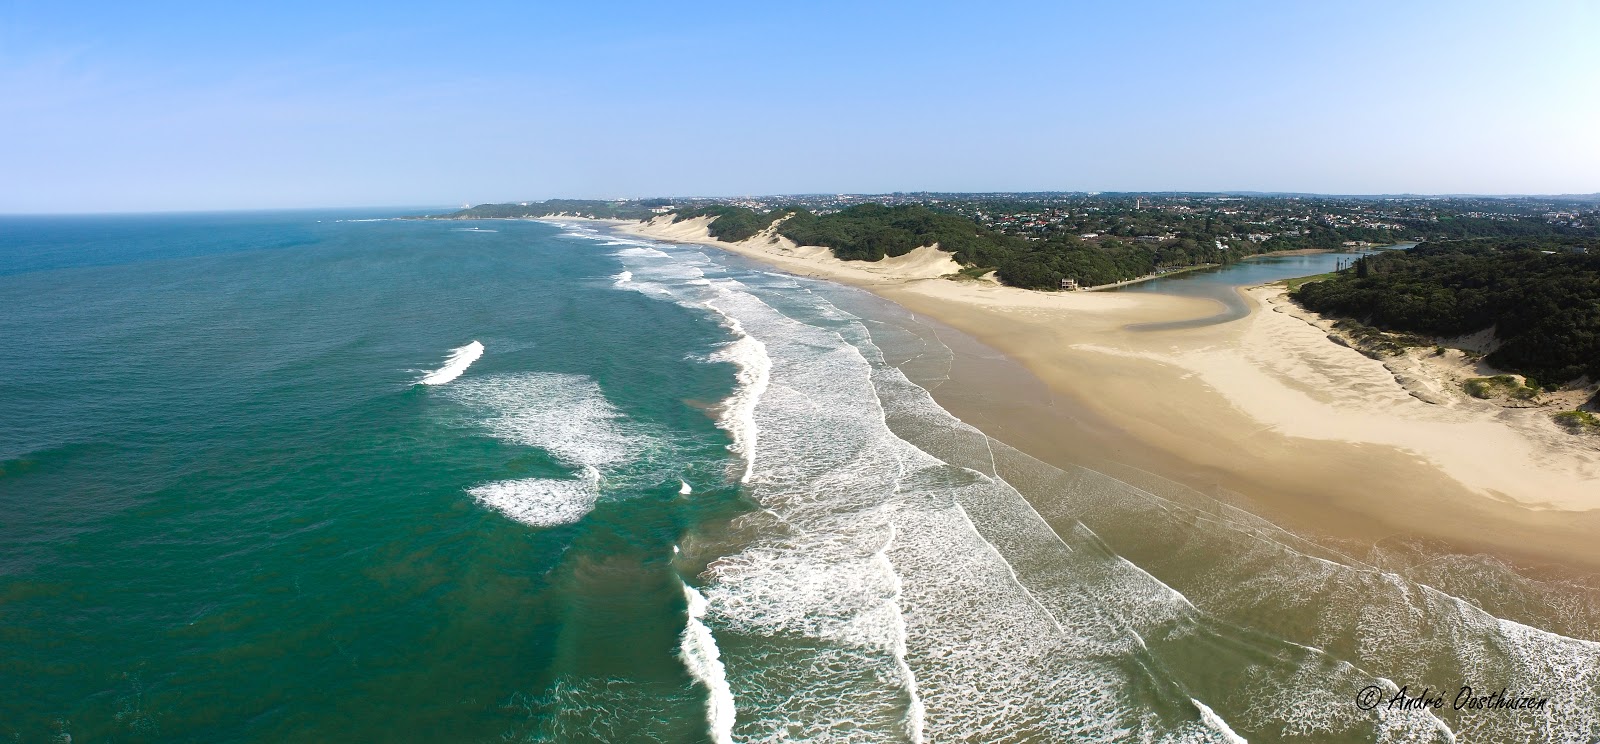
[[114, 107]]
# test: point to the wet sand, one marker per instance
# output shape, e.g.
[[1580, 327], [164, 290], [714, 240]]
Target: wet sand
[[1263, 412]]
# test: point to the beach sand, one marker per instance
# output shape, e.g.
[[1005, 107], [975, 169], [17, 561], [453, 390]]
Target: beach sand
[[1265, 412]]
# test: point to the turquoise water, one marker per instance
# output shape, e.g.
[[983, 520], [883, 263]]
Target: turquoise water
[[1220, 283], [231, 512], [647, 492]]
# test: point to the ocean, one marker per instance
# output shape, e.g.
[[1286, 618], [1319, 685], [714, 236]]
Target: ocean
[[313, 476]]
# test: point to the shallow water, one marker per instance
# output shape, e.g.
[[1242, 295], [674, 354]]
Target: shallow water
[[1221, 283], [674, 498]]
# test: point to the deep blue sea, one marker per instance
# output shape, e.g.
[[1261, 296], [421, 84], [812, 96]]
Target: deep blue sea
[[328, 476]]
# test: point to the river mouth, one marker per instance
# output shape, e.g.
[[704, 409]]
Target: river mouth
[[1223, 283]]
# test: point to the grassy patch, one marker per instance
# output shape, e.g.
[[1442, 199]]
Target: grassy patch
[[1578, 421], [1498, 385], [1294, 284], [1378, 343]]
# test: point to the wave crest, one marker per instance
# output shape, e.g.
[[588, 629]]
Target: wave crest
[[459, 360]]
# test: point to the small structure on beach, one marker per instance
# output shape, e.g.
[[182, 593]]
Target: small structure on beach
[[1069, 285]]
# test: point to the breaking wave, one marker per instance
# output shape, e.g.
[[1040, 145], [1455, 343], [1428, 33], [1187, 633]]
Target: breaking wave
[[755, 370], [565, 415], [541, 502], [704, 662], [459, 360]]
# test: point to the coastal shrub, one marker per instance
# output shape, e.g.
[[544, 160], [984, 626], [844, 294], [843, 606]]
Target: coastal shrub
[[1489, 387], [1578, 421], [730, 223]]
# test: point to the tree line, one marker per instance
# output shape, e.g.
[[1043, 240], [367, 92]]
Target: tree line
[[870, 232], [1540, 295]]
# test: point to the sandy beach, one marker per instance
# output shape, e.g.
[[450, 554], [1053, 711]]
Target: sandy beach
[[1265, 411]]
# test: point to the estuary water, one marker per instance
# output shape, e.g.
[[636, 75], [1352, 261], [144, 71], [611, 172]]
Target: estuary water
[[322, 476], [1221, 283]]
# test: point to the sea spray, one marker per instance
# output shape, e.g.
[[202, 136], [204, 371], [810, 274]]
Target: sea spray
[[459, 360]]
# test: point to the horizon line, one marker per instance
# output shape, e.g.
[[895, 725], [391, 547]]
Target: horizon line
[[1166, 192]]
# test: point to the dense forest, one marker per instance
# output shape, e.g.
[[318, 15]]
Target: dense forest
[[869, 232], [1541, 295]]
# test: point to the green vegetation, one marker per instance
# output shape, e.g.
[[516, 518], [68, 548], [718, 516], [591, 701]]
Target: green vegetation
[[1579, 421], [1294, 284], [1541, 296], [1376, 342], [731, 224], [870, 232], [1492, 387], [1036, 240]]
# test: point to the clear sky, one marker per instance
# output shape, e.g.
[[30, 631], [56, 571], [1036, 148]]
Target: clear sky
[[134, 106]]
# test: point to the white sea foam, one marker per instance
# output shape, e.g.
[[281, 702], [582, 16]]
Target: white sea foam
[[1215, 722], [897, 589], [623, 278], [863, 524], [459, 360], [541, 502], [856, 525], [641, 251], [698, 649], [755, 370], [565, 415]]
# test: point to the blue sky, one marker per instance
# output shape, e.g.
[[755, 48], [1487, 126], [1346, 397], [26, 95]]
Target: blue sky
[[176, 106]]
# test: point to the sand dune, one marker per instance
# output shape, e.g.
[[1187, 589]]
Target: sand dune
[[925, 262]]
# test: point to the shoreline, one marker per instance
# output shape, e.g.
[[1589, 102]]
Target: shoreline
[[1264, 411], [1148, 277]]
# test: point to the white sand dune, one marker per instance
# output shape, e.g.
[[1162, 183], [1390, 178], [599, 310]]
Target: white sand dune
[[925, 262]]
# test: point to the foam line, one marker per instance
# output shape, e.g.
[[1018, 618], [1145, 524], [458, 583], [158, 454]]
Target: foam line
[[1215, 723]]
